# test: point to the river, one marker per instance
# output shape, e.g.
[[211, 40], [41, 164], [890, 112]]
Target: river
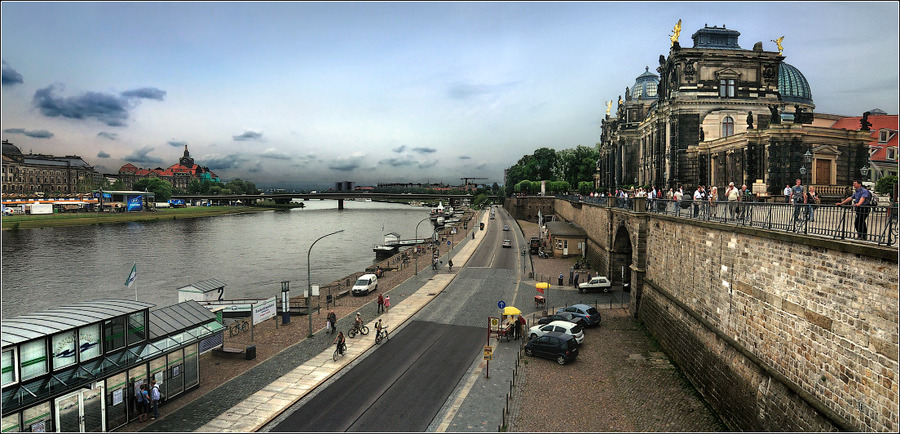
[[251, 253]]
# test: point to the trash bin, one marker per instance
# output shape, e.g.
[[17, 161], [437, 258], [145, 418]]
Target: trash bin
[[250, 353]]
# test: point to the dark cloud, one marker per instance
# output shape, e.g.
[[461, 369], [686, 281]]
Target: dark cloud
[[141, 158], [464, 157], [424, 150], [275, 155], [10, 76], [344, 166], [145, 93], [397, 162], [400, 149], [427, 164], [248, 135], [230, 161], [106, 135], [102, 154], [176, 144], [107, 108], [37, 134]]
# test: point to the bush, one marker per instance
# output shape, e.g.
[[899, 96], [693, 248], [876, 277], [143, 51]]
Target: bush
[[886, 185]]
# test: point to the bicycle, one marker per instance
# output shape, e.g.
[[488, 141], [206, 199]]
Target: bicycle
[[363, 330], [382, 335], [239, 326], [338, 353]]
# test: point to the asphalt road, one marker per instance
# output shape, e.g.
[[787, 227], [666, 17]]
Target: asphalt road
[[405, 382]]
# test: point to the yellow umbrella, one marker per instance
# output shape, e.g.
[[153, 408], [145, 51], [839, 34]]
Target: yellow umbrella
[[509, 310]]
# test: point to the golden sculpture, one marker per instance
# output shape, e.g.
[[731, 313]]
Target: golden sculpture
[[608, 107], [778, 42], [675, 32]]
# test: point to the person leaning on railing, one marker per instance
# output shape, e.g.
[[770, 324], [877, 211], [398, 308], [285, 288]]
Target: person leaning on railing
[[861, 199]]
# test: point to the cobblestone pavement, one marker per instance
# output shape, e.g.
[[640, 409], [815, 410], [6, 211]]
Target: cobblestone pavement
[[621, 381]]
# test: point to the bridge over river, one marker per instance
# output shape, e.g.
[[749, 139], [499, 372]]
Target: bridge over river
[[340, 197]]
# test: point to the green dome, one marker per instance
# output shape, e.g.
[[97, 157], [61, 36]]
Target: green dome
[[792, 85]]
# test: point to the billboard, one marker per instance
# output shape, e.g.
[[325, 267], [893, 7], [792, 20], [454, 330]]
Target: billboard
[[135, 203]]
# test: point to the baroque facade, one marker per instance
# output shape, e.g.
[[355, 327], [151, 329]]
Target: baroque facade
[[179, 175], [29, 174], [717, 113]]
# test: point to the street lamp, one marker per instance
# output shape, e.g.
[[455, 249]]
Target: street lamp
[[417, 244], [309, 281], [865, 172]]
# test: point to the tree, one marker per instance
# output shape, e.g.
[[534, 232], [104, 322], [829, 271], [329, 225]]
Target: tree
[[886, 185], [161, 189], [118, 185], [585, 187]]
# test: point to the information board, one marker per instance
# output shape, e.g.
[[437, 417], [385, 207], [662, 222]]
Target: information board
[[264, 310]]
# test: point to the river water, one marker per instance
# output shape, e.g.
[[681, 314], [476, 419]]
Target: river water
[[251, 253]]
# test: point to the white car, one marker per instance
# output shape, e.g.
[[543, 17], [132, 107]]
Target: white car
[[599, 282], [365, 284], [566, 327]]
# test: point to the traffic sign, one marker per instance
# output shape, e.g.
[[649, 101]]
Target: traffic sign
[[495, 322], [448, 242], [488, 352], [501, 304]]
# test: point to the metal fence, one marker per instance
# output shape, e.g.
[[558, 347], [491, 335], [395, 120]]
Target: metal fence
[[865, 224]]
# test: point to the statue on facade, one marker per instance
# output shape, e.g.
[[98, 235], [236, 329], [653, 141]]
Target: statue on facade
[[662, 60], [627, 94], [750, 121], [702, 138], [776, 118], [864, 124], [778, 42], [608, 107], [676, 31]]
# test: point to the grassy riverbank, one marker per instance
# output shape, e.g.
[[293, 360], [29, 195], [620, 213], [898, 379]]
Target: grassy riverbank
[[16, 222]]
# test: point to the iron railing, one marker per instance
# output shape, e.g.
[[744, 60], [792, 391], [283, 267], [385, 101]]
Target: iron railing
[[832, 221]]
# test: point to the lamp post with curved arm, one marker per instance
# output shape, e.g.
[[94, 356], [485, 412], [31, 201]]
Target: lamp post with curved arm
[[309, 281], [417, 242]]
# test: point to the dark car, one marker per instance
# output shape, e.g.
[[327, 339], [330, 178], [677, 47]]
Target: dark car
[[565, 316], [553, 345], [589, 313]]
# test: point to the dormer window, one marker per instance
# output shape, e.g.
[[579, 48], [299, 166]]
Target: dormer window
[[884, 135], [891, 154]]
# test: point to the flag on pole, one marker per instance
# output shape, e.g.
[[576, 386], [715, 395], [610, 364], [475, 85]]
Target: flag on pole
[[131, 276]]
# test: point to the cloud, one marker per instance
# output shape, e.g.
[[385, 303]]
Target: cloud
[[37, 134], [400, 149], [177, 144], [464, 157], [248, 135], [424, 150], [110, 109], [347, 164], [102, 154], [230, 161], [145, 93], [427, 164], [397, 162], [273, 154], [141, 158], [106, 135], [10, 76]]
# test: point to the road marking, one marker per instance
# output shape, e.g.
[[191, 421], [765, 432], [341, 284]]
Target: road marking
[[457, 403]]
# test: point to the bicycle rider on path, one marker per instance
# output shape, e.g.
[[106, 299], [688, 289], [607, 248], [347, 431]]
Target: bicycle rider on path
[[378, 328], [358, 323], [339, 340]]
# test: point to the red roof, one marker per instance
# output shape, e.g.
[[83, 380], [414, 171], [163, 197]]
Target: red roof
[[128, 168], [879, 122]]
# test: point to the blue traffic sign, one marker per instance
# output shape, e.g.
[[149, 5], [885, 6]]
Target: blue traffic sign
[[448, 242], [501, 304]]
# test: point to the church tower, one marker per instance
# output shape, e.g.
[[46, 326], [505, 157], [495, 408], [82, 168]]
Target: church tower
[[186, 160]]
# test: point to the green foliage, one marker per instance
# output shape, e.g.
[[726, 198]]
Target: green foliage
[[886, 185], [569, 165], [479, 199], [161, 188], [239, 186], [585, 187], [118, 185]]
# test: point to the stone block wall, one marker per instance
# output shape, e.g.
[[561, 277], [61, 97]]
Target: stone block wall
[[776, 332]]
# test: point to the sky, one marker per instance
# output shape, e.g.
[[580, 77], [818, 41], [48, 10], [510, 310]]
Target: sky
[[294, 95]]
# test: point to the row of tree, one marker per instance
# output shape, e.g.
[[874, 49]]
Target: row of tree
[[163, 189], [562, 169]]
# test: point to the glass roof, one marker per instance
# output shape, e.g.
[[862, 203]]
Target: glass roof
[[39, 324]]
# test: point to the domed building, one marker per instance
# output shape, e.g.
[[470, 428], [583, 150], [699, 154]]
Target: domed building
[[31, 175], [720, 113], [179, 175]]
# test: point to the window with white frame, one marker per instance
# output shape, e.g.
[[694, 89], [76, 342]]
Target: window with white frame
[[726, 88], [884, 135], [891, 153]]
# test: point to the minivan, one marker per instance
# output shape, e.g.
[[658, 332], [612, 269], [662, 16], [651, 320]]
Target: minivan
[[365, 284]]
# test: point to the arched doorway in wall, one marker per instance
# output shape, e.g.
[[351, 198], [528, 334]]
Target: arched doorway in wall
[[620, 258]]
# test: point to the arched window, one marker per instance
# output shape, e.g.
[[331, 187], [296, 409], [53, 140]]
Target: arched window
[[727, 126]]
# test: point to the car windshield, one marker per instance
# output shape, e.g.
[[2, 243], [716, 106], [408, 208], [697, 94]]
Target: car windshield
[[362, 282]]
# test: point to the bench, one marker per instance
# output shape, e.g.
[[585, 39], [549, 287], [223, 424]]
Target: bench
[[228, 351]]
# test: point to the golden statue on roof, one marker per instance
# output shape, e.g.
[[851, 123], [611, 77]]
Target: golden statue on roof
[[608, 107], [778, 42], [676, 31]]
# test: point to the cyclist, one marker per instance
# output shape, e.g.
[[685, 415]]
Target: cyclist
[[358, 323], [378, 328], [339, 340], [450, 264]]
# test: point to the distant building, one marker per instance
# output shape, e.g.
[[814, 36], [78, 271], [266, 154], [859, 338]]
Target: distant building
[[344, 185], [179, 175], [28, 174], [883, 145]]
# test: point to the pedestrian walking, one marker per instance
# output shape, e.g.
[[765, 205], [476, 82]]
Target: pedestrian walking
[[812, 201], [154, 399], [380, 303], [575, 284], [332, 322], [140, 408], [798, 198], [860, 200], [387, 302], [145, 403], [560, 279]]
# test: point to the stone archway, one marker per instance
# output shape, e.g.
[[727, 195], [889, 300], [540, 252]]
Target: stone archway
[[620, 257]]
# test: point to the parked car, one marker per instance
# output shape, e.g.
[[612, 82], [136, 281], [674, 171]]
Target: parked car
[[599, 282], [505, 227], [507, 243], [365, 284], [565, 316], [553, 345], [566, 327], [589, 313]]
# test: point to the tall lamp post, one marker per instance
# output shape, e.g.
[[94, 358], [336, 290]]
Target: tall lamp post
[[309, 281], [417, 243], [807, 158]]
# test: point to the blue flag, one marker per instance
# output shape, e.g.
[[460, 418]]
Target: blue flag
[[131, 276]]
